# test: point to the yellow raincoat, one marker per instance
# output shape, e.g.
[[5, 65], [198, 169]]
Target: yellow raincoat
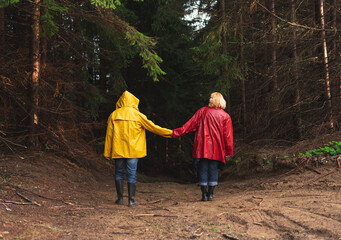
[[126, 135]]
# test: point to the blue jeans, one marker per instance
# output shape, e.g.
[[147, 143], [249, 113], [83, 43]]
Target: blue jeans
[[123, 164], [208, 172]]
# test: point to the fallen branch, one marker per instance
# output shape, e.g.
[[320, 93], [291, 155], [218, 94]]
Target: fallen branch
[[120, 233], [147, 203], [198, 234], [260, 203], [23, 197], [312, 169], [27, 199], [248, 209], [152, 215], [310, 182], [315, 179], [84, 208], [19, 203], [229, 237], [221, 214], [298, 167], [37, 194]]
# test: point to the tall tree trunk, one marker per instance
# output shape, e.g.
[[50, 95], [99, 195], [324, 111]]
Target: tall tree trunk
[[297, 103], [224, 48], [274, 46], [43, 43], [35, 73], [242, 67], [2, 36], [275, 89], [43, 59], [103, 71], [4, 98], [326, 64], [335, 53], [334, 26]]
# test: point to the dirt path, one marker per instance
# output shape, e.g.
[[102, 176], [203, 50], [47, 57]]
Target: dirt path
[[75, 206]]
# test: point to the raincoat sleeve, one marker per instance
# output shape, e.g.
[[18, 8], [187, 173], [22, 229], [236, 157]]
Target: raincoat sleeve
[[151, 127], [109, 138], [228, 136], [190, 126]]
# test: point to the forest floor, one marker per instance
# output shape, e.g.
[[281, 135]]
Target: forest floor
[[49, 197]]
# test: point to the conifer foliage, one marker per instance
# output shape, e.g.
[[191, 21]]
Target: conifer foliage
[[63, 65]]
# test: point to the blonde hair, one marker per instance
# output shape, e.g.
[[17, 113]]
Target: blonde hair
[[217, 100]]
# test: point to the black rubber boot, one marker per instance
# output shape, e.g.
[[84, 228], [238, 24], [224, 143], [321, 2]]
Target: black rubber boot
[[210, 193], [204, 193], [131, 192], [119, 190]]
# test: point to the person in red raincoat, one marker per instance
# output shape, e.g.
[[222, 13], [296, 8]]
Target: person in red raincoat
[[213, 141]]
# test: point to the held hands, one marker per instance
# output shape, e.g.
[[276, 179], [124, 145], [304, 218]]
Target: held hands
[[108, 158]]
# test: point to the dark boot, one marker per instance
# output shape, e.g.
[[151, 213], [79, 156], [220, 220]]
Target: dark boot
[[131, 192], [204, 193], [119, 190], [210, 193]]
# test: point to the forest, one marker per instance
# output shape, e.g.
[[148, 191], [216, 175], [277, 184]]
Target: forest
[[64, 64]]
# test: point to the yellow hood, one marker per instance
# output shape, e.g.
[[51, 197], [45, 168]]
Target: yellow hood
[[127, 100], [127, 107]]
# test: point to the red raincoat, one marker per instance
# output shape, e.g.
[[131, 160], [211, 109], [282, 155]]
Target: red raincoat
[[214, 133]]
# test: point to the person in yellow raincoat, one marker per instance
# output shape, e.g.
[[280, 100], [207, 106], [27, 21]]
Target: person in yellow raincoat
[[125, 142]]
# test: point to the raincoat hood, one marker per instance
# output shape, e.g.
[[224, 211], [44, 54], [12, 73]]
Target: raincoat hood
[[127, 100]]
